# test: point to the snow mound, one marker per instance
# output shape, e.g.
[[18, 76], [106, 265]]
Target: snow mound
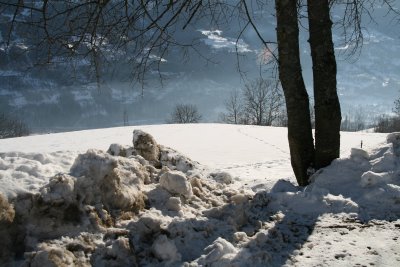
[[123, 207], [366, 185], [370, 181], [149, 205]]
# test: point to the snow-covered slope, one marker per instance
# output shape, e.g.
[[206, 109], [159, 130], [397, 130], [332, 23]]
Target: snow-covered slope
[[128, 207], [233, 148]]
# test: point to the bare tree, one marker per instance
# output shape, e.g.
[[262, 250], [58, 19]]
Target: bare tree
[[125, 117], [12, 127], [281, 119], [327, 107], [396, 108], [262, 101], [354, 120], [234, 109], [185, 113], [300, 137], [387, 124], [350, 21]]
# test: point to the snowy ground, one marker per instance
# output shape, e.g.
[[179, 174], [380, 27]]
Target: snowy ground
[[193, 214]]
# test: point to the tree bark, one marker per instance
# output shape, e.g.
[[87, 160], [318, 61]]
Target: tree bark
[[327, 106], [297, 103]]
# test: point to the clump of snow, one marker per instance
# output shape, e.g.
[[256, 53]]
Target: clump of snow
[[176, 182], [59, 190], [284, 186], [165, 249], [176, 161], [371, 178], [174, 203], [7, 212], [219, 253], [52, 255], [114, 182], [145, 145], [222, 177], [120, 150], [7, 215], [115, 252], [394, 139], [359, 153]]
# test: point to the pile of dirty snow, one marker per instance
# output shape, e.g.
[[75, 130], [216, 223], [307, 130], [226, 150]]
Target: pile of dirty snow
[[147, 204]]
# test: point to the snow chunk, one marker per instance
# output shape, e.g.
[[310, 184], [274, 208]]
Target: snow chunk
[[59, 190], [146, 146], [359, 153], [116, 253], [120, 150], [394, 138], [165, 249], [7, 238], [52, 256], [219, 253], [175, 161], [174, 203], [371, 178], [384, 163], [112, 181], [283, 186], [7, 212], [222, 177], [175, 182]]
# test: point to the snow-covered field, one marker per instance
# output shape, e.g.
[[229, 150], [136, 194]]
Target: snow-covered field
[[226, 198]]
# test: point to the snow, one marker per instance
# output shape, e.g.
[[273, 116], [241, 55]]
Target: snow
[[176, 182], [196, 195]]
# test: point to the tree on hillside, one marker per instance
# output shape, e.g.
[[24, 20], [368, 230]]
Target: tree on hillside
[[387, 123], [12, 127], [146, 30], [262, 101], [185, 113], [234, 109], [354, 120], [396, 108]]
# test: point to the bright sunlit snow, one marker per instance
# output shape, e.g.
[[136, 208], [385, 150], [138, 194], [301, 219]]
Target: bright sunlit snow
[[197, 195]]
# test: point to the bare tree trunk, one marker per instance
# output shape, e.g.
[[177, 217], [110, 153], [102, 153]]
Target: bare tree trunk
[[327, 106], [297, 103]]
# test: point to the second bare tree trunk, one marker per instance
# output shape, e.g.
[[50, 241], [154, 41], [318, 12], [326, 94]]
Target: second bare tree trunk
[[297, 103], [327, 106]]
